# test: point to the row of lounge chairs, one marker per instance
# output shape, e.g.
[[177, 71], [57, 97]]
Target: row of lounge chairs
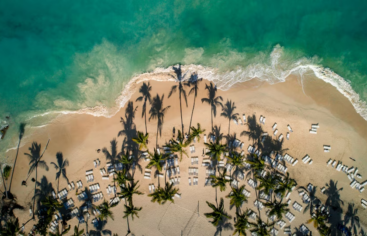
[[192, 148], [114, 201], [69, 203], [290, 216], [175, 180], [314, 128], [111, 189], [194, 160], [94, 188], [173, 171], [195, 181], [96, 163], [98, 196], [208, 181], [290, 159], [252, 183], [297, 206], [193, 171], [79, 184], [262, 120], [307, 160], [151, 188], [62, 194], [71, 185], [258, 204], [89, 178]]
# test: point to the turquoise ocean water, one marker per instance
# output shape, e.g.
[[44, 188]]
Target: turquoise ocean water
[[68, 55]]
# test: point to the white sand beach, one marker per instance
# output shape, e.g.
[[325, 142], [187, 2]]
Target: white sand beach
[[79, 136]]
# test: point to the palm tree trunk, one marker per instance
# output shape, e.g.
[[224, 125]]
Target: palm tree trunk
[[58, 184], [35, 187], [192, 113], [2, 176], [156, 142], [229, 127], [212, 117], [128, 226], [181, 115]]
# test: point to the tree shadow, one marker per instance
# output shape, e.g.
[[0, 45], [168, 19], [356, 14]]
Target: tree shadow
[[8, 206], [254, 131], [43, 190], [217, 133], [21, 134], [351, 216], [146, 96], [60, 167], [212, 100], [100, 229], [112, 155], [129, 127], [224, 224], [193, 81], [158, 111], [334, 203]]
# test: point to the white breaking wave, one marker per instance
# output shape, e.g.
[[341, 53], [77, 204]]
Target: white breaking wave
[[276, 71]]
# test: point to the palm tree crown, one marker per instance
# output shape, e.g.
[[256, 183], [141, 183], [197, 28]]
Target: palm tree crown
[[215, 150], [131, 211], [141, 140], [196, 132], [218, 213], [242, 223], [105, 211], [220, 181], [237, 197], [179, 145], [277, 209], [128, 191]]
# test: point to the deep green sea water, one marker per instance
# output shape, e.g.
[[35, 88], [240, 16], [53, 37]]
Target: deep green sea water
[[67, 55]]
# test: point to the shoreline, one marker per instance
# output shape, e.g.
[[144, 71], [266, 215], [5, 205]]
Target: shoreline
[[78, 137]]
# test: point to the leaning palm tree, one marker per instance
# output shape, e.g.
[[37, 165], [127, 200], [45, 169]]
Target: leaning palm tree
[[145, 91], [178, 145], [277, 209], [141, 140], [256, 165], [228, 112], [11, 227], [261, 228], [215, 150], [128, 191], [157, 111], [318, 219], [218, 213], [237, 197], [242, 223], [194, 82], [130, 211], [212, 100], [35, 162], [105, 210], [156, 196], [58, 233], [196, 132], [60, 168], [78, 232], [285, 186], [155, 160], [181, 91], [219, 181]]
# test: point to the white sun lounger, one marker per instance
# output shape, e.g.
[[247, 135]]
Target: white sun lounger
[[190, 181], [289, 128], [235, 121], [280, 137], [244, 118], [88, 172], [240, 121], [275, 132], [205, 138], [274, 126], [313, 131]]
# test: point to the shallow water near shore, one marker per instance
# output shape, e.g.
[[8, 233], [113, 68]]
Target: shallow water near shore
[[67, 56]]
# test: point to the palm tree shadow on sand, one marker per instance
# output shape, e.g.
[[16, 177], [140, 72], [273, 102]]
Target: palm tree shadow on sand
[[334, 203]]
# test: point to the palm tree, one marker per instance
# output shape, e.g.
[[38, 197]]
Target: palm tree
[[51, 204], [126, 160], [141, 140], [129, 190], [35, 162], [58, 233], [162, 195], [235, 159], [196, 132], [121, 177], [194, 81], [255, 130], [277, 209], [285, 186], [267, 183], [237, 197], [130, 211], [3, 178], [256, 165], [333, 195], [212, 100], [105, 210], [77, 232], [352, 217], [228, 112], [60, 168], [325, 230], [318, 219], [260, 227], [157, 112], [155, 160], [218, 213], [313, 199], [180, 79], [215, 150], [179, 145], [11, 227], [219, 181], [242, 223], [145, 91]]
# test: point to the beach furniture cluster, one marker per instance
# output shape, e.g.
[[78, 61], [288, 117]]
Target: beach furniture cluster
[[96, 163], [364, 203], [259, 204], [307, 160], [304, 229], [69, 203], [289, 216], [175, 180], [193, 171], [297, 206], [110, 189], [98, 196], [252, 183], [94, 188], [246, 192], [147, 173], [351, 172], [265, 196], [195, 181], [314, 128], [288, 158], [151, 188], [89, 176], [63, 194], [194, 160], [208, 181], [192, 148], [327, 148], [114, 201], [262, 119]]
